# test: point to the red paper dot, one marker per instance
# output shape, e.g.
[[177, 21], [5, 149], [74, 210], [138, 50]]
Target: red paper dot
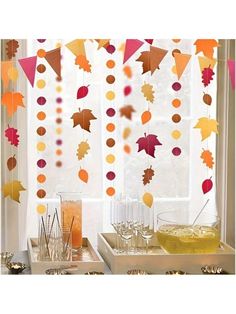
[[59, 100], [110, 49], [59, 142], [41, 100], [176, 86], [110, 175], [110, 112], [41, 163], [176, 151], [41, 40]]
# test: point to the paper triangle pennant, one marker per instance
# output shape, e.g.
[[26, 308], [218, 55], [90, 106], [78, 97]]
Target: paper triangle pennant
[[102, 43], [231, 67], [181, 62], [5, 66], [77, 47], [131, 46], [206, 63], [53, 57], [149, 41], [29, 66]]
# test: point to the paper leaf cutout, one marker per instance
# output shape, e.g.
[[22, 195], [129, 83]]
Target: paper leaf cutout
[[148, 199], [148, 174], [29, 67], [5, 66], [146, 116], [11, 48], [207, 126], [181, 62], [11, 163], [83, 175], [148, 92], [207, 158], [128, 71], [207, 185], [207, 76], [102, 43], [206, 46], [77, 47], [148, 143], [127, 90], [131, 46], [206, 62], [12, 101], [13, 189], [127, 111], [83, 118], [13, 74], [53, 58], [12, 136], [207, 99], [82, 92], [152, 59], [127, 149], [126, 133], [83, 63], [83, 149], [231, 67]]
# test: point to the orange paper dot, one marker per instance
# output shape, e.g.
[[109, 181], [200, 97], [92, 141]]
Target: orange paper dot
[[41, 115], [110, 64], [59, 110], [41, 178], [176, 102], [58, 130], [127, 149], [41, 53], [176, 40], [110, 127], [110, 191], [58, 152]]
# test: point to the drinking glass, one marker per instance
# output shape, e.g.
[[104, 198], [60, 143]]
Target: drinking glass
[[146, 229], [71, 217], [116, 223], [126, 221]]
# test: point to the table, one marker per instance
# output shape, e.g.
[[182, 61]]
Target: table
[[23, 258]]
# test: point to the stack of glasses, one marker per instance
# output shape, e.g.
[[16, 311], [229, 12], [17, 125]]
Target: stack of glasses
[[133, 223]]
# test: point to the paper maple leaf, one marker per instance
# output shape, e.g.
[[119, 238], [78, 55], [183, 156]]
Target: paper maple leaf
[[11, 48], [207, 126], [148, 143], [148, 92], [83, 118], [206, 46], [148, 174], [127, 111], [13, 189], [12, 136], [12, 100], [207, 158], [207, 76], [82, 150], [152, 59], [83, 63]]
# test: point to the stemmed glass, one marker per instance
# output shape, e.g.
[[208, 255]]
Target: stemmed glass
[[115, 220], [126, 230], [146, 229]]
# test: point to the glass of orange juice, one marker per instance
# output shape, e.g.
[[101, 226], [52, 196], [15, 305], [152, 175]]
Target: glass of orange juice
[[71, 216]]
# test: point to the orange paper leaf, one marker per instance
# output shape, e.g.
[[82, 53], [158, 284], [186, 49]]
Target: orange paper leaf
[[206, 46], [83, 63], [128, 71], [12, 100], [83, 118], [83, 175], [148, 174], [207, 158], [146, 116], [127, 111]]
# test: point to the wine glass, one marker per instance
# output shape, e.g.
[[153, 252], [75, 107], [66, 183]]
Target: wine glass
[[116, 221], [146, 229]]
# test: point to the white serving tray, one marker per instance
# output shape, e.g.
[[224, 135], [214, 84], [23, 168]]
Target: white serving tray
[[89, 260], [158, 262]]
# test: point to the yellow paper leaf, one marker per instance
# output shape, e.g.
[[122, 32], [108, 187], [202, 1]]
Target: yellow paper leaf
[[126, 133], [148, 92], [148, 199], [82, 150], [207, 126], [13, 189], [13, 74]]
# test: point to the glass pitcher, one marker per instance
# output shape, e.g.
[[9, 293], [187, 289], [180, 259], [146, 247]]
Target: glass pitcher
[[71, 216]]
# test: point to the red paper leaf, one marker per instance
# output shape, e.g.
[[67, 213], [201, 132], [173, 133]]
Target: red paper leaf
[[82, 92], [127, 90], [12, 136], [207, 76], [207, 185], [148, 144]]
